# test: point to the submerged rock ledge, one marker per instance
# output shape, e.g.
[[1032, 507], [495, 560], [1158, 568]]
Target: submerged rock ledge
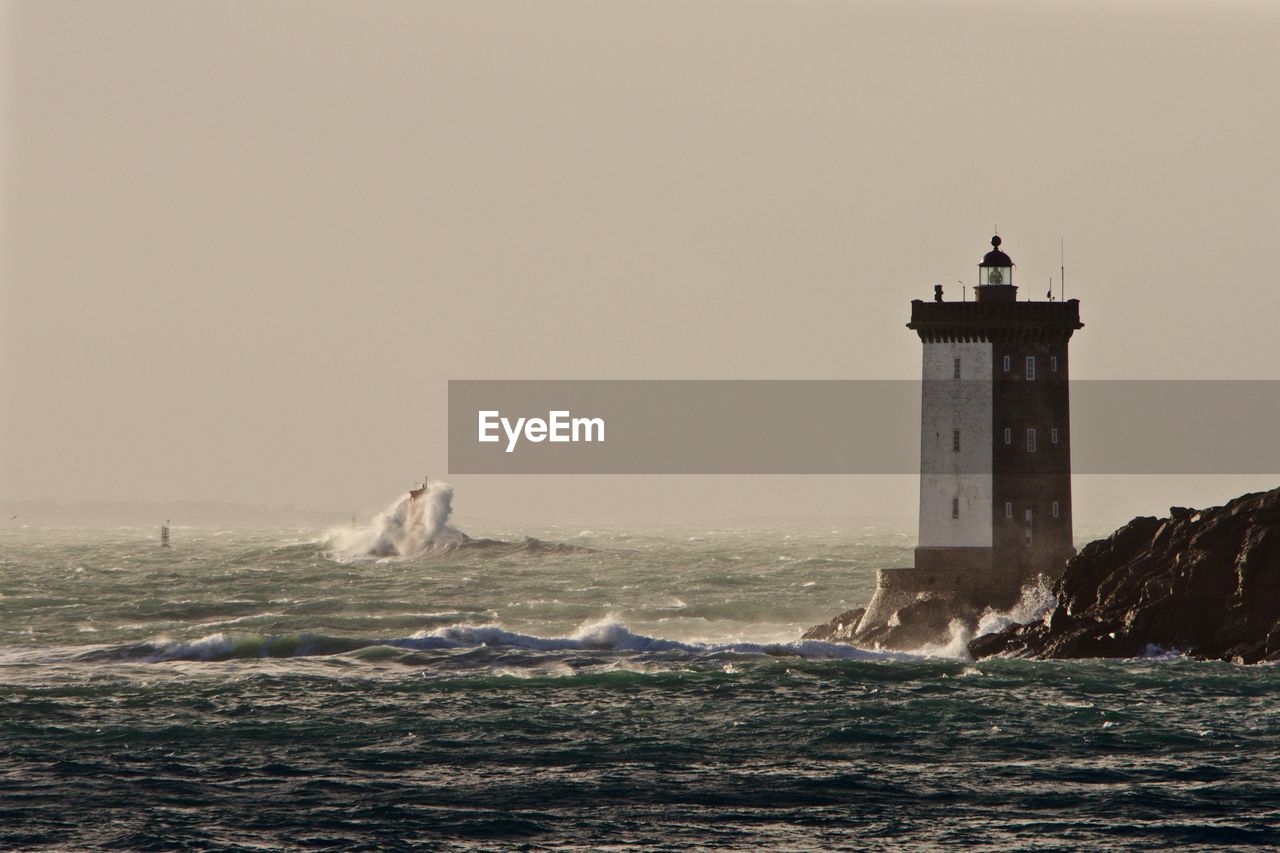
[[1205, 583]]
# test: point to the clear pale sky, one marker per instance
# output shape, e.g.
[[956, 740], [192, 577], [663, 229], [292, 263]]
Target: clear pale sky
[[245, 245]]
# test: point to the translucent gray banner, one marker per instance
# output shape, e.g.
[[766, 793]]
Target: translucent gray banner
[[854, 427]]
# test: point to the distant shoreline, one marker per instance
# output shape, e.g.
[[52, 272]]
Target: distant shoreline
[[52, 513]]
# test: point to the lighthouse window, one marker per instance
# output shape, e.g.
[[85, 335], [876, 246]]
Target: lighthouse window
[[1031, 367], [1053, 363], [955, 507], [1008, 436], [1055, 509], [955, 369], [1008, 509], [1053, 435], [955, 441], [1008, 362], [1031, 441]]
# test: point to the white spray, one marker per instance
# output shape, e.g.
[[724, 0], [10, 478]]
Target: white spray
[[1036, 602], [409, 528]]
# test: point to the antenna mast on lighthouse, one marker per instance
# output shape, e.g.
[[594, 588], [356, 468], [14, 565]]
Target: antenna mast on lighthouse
[[1062, 268]]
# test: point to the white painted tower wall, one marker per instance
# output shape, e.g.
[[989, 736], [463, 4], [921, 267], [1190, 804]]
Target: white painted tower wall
[[947, 405]]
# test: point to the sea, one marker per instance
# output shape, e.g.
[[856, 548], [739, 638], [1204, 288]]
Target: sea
[[399, 684]]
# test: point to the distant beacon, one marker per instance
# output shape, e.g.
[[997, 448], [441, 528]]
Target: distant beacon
[[995, 446]]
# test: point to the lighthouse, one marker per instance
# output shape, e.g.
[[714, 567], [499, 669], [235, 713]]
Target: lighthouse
[[995, 448]]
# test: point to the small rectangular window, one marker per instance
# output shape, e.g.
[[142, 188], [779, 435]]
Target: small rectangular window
[[1008, 436], [1053, 436], [1031, 441], [955, 507], [1031, 367], [1055, 509], [1008, 509], [1007, 363], [1028, 518], [955, 441], [1053, 363], [955, 369]]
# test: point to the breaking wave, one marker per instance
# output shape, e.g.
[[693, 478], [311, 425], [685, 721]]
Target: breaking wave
[[1036, 602], [606, 635], [415, 528], [409, 528]]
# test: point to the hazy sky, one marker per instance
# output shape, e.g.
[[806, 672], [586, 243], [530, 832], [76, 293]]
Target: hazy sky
[[246, 244]]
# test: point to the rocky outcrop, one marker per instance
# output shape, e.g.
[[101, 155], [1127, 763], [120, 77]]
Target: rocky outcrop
[[914, 609], [1205, 583], [839, 629], [926, 620]]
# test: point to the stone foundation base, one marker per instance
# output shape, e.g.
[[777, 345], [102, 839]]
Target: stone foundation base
[[913, 607]]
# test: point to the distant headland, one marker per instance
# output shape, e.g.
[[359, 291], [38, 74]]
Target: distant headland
[[88, 513]]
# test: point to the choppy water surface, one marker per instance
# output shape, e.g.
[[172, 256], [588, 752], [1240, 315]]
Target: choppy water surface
[[642, 686]]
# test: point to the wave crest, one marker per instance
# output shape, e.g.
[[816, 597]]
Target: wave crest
[[605, 635]]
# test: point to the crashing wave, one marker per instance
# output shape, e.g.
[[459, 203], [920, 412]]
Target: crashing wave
[[411, 527], [1036, 602], [606, 635], [417, 526]]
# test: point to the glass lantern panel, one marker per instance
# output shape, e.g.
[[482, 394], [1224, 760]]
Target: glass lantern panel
[[995, 275]]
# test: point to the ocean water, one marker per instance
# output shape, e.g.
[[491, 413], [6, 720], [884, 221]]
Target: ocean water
[[289, 689]]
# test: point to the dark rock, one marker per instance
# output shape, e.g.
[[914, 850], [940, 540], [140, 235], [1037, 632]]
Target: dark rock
[[838, 629], [924, 622], [1203, 582]]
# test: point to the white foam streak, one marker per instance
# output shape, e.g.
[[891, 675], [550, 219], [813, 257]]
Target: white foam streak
[[211, 647]]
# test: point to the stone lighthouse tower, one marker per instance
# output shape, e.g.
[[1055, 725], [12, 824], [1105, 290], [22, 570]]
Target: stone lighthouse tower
[[995, 448]]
